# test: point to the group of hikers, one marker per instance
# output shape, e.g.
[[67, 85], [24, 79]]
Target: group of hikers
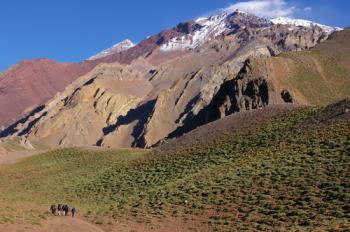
[[62, 210]]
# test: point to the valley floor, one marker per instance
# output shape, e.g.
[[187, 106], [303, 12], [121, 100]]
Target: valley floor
[[287, 172], [77, 224], [13, 157], [55, 225]]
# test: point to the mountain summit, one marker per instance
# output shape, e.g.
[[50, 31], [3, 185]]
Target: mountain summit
[[119, 47], [196, 33]]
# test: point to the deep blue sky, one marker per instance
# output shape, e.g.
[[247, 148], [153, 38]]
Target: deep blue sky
[[72, 30]]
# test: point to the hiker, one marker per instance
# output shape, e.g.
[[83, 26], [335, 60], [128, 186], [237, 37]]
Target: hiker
[[53, 209], [60, 210], [66, 209], [74, 211]]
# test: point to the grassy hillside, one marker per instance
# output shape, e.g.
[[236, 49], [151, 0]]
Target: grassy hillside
[[289, 172], [318, 76]]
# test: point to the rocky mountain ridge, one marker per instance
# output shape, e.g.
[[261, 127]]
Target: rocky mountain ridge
[[312, 77], [147, 55], [160, 90]]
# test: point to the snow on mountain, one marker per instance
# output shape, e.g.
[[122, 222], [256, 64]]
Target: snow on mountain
[[213, 26], [304, 23], [119, 47], [210, 27]]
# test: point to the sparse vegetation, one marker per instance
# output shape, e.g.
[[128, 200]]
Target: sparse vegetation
[[323, 69], [284, 174]]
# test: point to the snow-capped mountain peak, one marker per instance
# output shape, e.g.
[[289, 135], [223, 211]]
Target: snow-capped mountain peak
[[210, 26], [226, 22], [119, 47], [304, 23]]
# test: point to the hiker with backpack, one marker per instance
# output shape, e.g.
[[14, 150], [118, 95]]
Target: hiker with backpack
[[60, 210], [53, 209], [66, 209], [74, 211]]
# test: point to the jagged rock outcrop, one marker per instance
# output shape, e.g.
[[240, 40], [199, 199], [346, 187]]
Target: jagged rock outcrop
[[246, 92], [247, 89], [191, 93], [271, 80]]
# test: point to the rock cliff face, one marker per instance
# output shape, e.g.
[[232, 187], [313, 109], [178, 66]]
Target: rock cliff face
[[261, 82], [120, 106], [308, 77], [249, 90]]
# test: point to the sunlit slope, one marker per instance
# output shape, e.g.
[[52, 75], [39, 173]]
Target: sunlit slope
[[291, 171]]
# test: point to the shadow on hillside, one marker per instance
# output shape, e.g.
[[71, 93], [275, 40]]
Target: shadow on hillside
[[13, 128], [141, 115]]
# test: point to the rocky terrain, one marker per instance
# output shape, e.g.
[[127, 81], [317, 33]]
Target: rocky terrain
[[314, 77], [170, 83]]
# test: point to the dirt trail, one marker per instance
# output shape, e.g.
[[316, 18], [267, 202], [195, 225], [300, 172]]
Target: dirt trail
[[56, 224], [13, 157], [68, 224]]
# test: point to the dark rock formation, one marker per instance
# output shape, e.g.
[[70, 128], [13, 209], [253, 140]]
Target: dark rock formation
[[286, 96], [240, 94], [245, 92], [188, 27], [249, 90]]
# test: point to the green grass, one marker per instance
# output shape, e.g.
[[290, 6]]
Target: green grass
[[280, 175]]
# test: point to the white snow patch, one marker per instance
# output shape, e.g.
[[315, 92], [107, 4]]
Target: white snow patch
[[119, 47], [215, 25], [211, 27], [304, 23]]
